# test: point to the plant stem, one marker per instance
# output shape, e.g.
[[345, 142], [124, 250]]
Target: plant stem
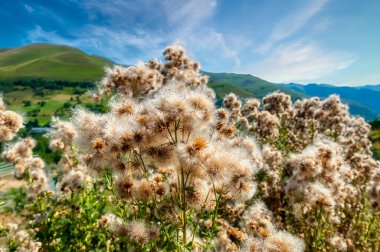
[[183, 187]]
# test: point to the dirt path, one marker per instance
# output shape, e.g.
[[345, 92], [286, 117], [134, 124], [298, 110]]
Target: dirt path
[[9, 182]]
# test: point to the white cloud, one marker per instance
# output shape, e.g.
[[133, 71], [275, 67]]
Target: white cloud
[[187, 15], [183, 14], [291, 24], [116, 45], [125, 32], [354, 79], [39, 35], [213, 47], [188, 20], [300, 62], [176, 18], [285, 58], [28, 8]]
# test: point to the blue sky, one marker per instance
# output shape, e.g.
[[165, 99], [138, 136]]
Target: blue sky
[[304, 41]]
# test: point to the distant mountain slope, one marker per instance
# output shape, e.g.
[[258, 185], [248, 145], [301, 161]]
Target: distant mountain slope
[[371, 87], [362, 101], [51, 62], [222, 89], [64, 63], [258, 87], [58, 62]]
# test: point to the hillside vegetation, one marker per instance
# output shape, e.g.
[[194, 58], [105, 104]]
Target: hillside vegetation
[[165, 169], [40, 108], [258, 87], [375, 137], [58, 62], [52, 62], [42, 80]]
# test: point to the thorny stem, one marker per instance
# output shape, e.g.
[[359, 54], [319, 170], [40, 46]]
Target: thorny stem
[[170, 134], [110, 187], [143, 164], [197, 224], [183, 187], [187, 177], [75, 152], [216, 206], [179, 198], [176, 125], [129, 159], [183, 133], [68, 160], [212, 132], [188, 135]]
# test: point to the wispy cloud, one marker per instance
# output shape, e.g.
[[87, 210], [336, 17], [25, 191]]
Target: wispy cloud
[[28, 8], [144, 28], [127, 31], [188, 15], [284, 57], [39, 35], [292, 23], [301, 62], [173, 14], [117, 45], [214, 45]]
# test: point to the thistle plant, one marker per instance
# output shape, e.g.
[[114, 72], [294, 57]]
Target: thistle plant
[[21, 240], [72, 175], [174, 167], [10, 122], [61, 215], [20, 154], [164, 169], [317, 166]]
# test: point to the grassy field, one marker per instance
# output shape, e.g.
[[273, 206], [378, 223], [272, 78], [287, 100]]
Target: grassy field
[[42, 108]]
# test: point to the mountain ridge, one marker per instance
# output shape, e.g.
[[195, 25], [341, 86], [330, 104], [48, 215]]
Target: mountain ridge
[[61, 62], [362, 100]]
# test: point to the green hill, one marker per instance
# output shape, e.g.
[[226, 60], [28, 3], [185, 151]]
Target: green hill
[[50, 62], [254, 85], [58, 62], [41, 80], [48, 69]]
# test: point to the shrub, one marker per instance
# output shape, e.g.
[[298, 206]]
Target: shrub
[[180, 174]]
